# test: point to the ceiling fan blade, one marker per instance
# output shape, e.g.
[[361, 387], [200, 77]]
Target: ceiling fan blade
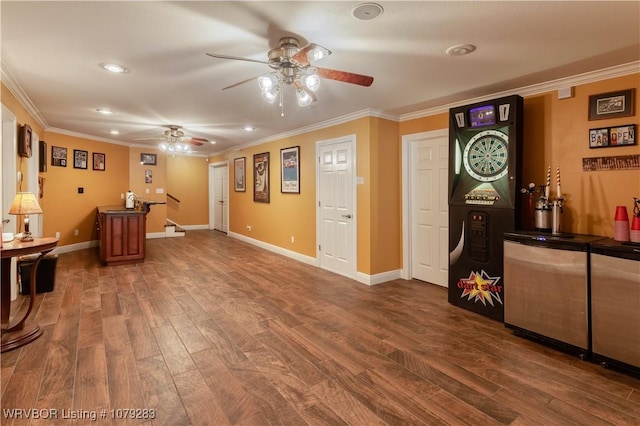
[[347, 77], [149, 139], [310, 52], [239, 83], [198, 141], [235, 58]]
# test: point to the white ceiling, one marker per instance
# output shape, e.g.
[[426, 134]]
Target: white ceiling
[[51, 52]]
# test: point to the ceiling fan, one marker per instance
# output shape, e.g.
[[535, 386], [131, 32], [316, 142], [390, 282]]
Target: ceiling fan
[[175, 141], [292, 66]]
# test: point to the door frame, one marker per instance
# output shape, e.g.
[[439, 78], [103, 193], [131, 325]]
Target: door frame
[[212, 194], [8, 189], [405, 273], [351, 140]]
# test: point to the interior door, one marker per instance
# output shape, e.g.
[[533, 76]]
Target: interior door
[[336, 208], [429, 209], [220, 197]]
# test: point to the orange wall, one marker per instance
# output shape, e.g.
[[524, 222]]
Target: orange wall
[[188, 181], [156, 218], [65, 210]]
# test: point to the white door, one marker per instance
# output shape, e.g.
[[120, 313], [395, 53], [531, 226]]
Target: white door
[[218, 196], [8, 156], [429, 231], [336, 208]]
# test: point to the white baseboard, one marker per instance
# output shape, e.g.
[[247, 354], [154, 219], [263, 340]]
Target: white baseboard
[[292, 254], [74, 247], [360, 277], [378, 278]]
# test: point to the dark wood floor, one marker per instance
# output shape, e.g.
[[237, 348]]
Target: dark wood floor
[[210, 330]]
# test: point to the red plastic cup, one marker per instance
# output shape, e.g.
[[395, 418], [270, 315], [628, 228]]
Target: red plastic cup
[[621, 213], [634, 234], [621, 225]]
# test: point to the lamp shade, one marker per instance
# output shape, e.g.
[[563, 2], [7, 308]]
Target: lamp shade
[[25, 203]]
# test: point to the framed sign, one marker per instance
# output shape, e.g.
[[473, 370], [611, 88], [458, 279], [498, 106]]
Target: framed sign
[[239, 174], [80, 159], [261, 177], [148, 159], [612, 136], [290, 170], [58, 156], [99, 161], [611, 105]]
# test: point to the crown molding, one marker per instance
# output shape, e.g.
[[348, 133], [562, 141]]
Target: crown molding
[[535, 89], [12, 85]]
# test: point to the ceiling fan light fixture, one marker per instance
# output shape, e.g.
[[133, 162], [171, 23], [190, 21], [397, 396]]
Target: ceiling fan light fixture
[[317, 53], [311, 81], [268, 81], [304, 99], [270, 95]]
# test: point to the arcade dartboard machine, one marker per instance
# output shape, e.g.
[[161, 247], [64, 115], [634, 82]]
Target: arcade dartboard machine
[[485, 142]]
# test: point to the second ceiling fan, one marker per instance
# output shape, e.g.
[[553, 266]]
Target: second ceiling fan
[[292, 66]]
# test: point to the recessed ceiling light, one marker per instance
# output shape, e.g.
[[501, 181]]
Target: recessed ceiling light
[[248, 128], [104, 111], [114, 132], [367, 11], [119, 69], [460, 49], [212, 142]]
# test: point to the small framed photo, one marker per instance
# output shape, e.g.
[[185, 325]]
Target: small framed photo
[[612, 105], [239, 174], [80, 159], [99, 161], [290, 170], [148, 159], [261, 178], [58, 156]]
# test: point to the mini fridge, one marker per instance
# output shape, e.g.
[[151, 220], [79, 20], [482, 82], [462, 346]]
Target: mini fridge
[[546, 288], [615, 304]]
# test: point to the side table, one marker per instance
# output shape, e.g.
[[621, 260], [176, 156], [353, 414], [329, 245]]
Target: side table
[[22, 331]]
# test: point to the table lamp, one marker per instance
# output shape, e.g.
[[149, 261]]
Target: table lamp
[[25, 204]]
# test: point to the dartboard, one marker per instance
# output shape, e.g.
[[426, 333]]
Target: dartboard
[[486, 156]]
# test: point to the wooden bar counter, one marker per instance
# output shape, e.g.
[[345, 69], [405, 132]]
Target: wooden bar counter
[[122, 235]]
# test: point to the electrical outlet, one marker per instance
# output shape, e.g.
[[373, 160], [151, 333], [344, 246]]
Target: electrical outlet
[[57, 235], [293, 239], [248, 227], [76, 232], [122, 196]]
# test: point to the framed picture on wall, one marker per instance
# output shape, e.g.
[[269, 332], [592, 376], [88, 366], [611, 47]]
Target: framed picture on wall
[[43, 156], [239, 174], [290, 170], [148, 159], [80, 159], [24, 141], [261, 177], [58, 156], [611, 105], [612, 136], [99, 161]]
